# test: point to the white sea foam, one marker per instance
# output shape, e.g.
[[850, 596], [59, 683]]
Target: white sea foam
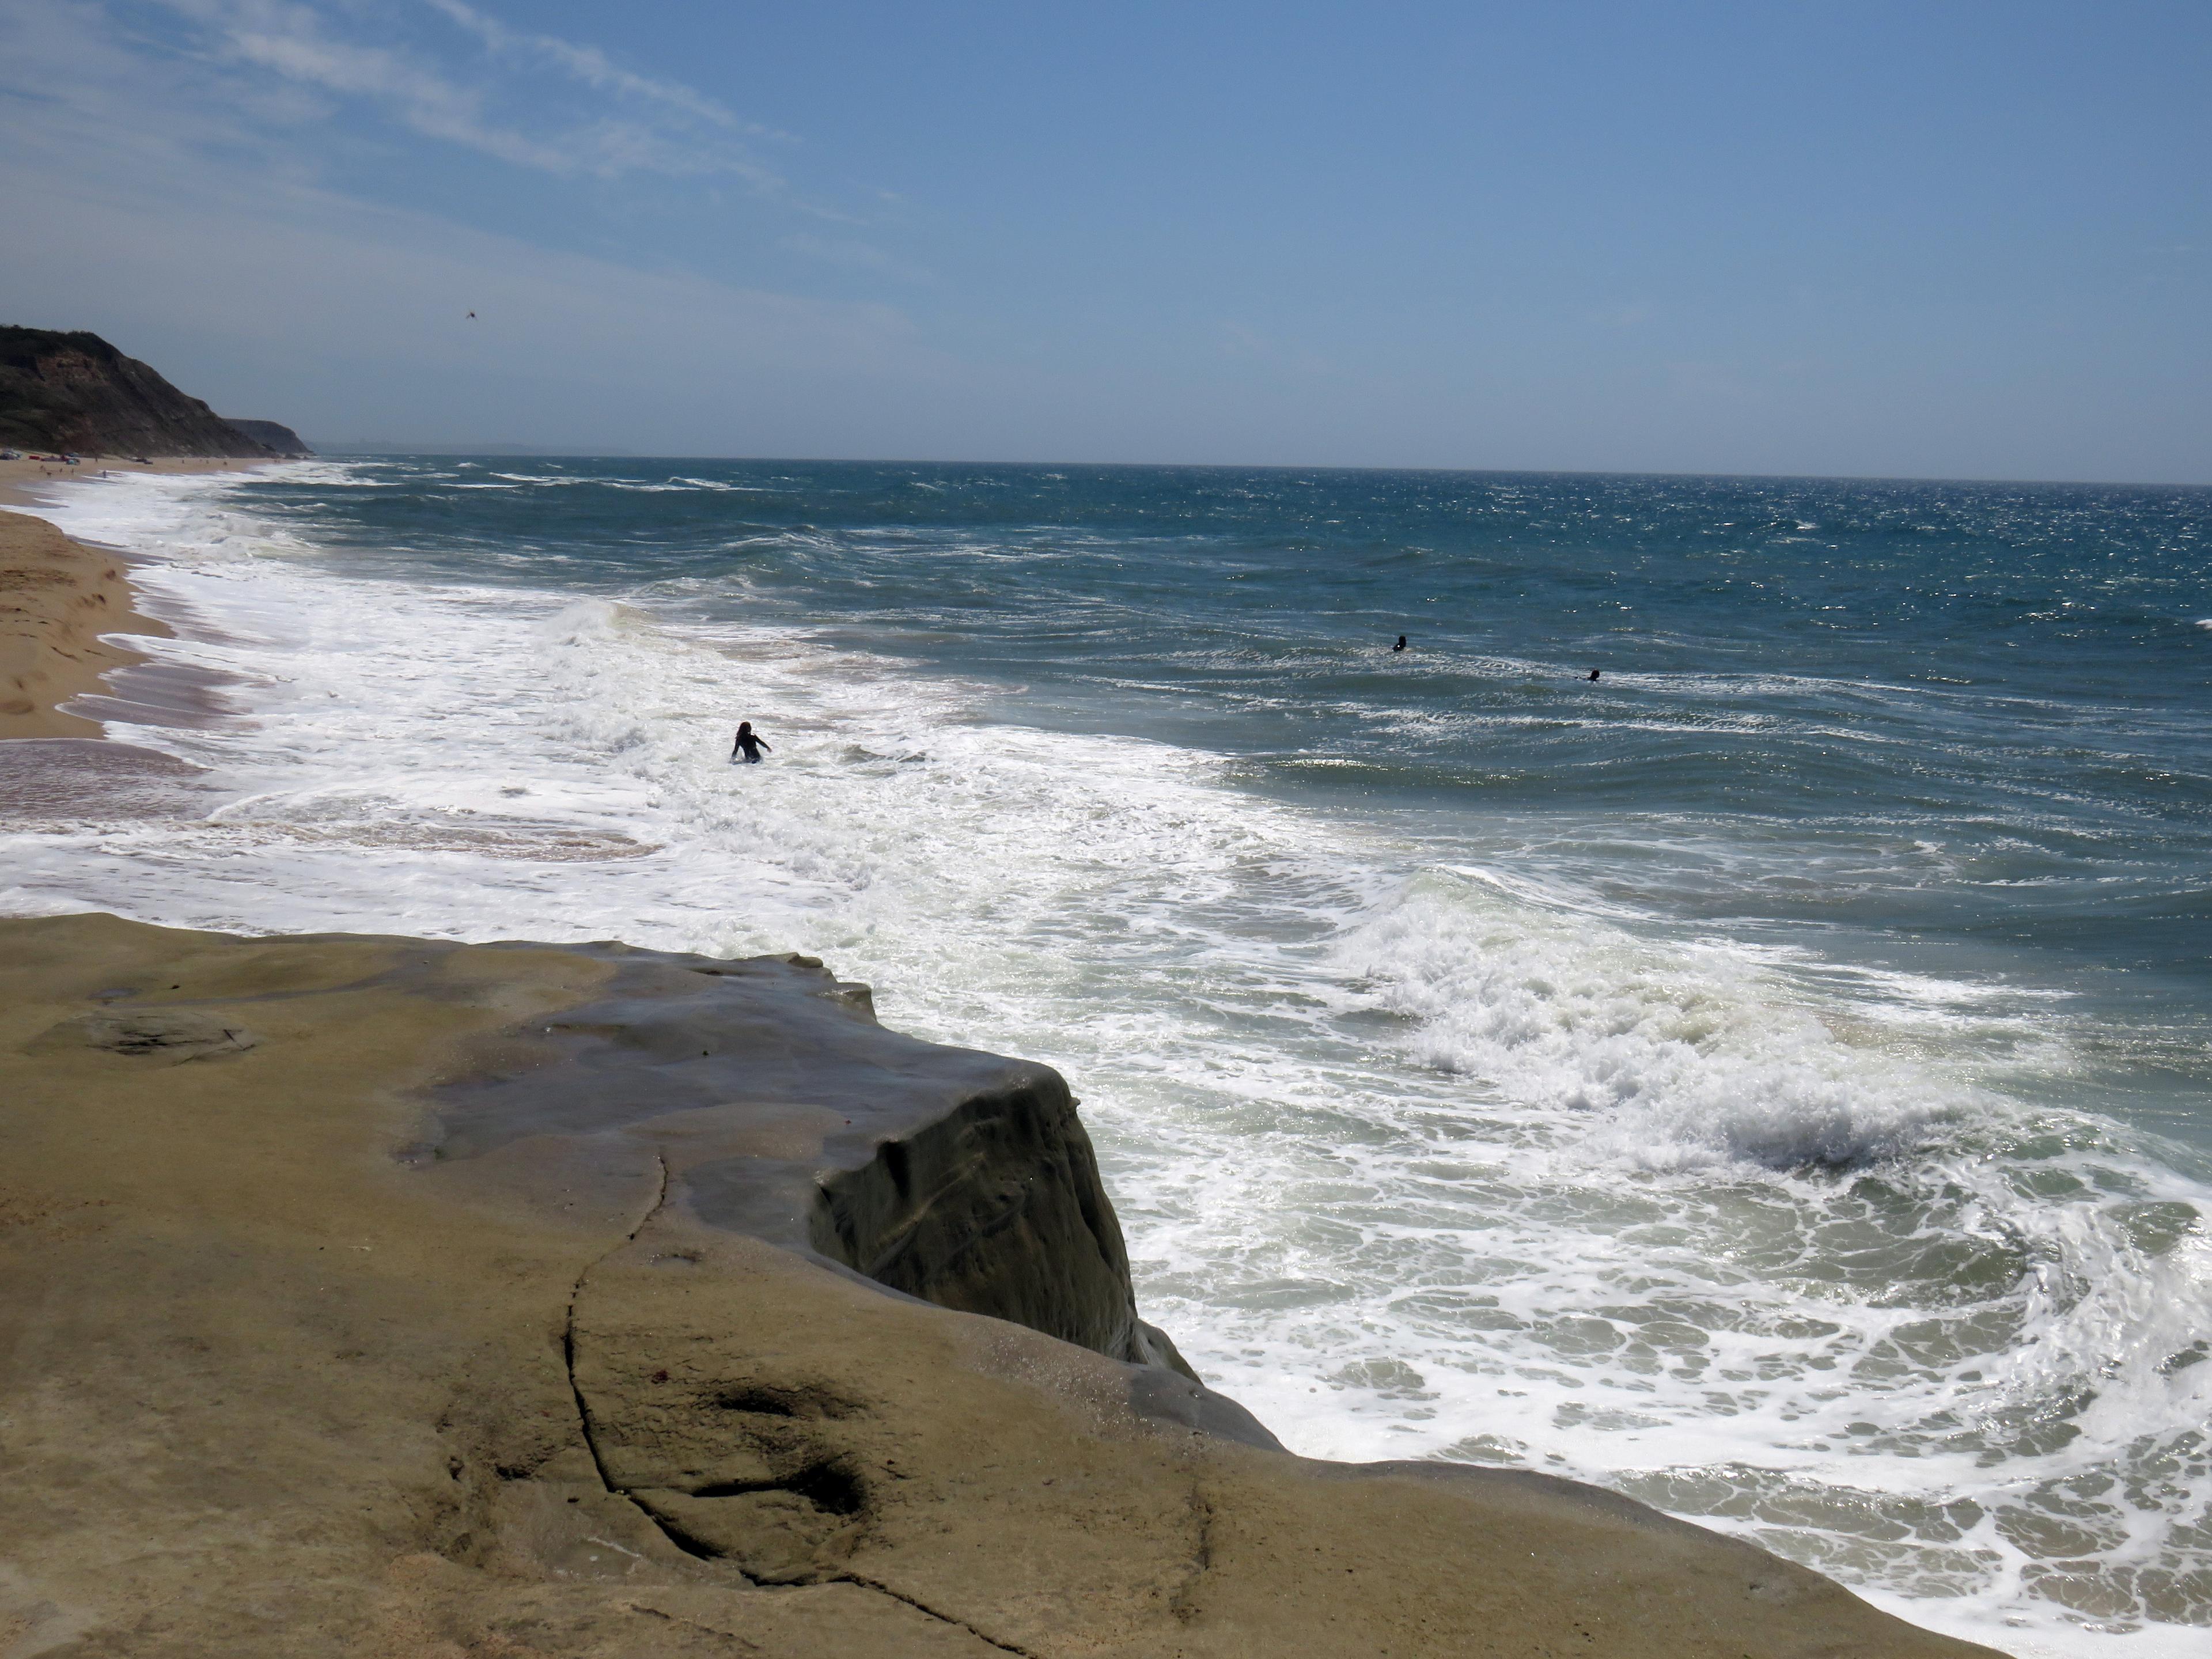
[[1419, 1153], [1678, 1050]]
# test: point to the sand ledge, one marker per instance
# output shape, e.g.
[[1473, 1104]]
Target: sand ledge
[[381, 1297]]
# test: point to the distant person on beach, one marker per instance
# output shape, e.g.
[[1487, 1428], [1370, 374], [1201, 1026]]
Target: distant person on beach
[[749, 746], [1401, 645]]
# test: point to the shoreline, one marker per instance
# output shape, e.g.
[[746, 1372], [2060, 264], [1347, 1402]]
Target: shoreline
[[412, 927], [20, 481], [61, 600]]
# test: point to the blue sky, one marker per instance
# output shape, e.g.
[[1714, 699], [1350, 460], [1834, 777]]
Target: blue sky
[[1950, 241]]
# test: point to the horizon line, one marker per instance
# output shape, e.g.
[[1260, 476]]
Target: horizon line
[[512, 452]]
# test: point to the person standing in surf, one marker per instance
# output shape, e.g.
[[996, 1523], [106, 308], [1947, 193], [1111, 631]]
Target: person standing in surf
[[749, 746]]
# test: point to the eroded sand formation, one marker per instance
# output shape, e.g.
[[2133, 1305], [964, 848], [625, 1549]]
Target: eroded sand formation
[[374, 1297]]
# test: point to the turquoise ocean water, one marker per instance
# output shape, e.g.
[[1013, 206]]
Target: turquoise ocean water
[[1774, 1078]]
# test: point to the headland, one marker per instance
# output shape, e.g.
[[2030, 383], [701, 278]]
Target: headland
[[72, 391]]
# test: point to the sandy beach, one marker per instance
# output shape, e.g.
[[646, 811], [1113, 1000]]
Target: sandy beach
[[58, 602], [58, 599], [21, 480]]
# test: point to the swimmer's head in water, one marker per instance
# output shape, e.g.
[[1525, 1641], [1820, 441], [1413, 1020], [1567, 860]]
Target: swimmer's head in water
[[1401, 645], [1593, 673]]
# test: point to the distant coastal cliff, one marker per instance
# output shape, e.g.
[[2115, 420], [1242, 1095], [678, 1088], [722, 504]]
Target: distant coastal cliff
[[274, 436], [76, 393]]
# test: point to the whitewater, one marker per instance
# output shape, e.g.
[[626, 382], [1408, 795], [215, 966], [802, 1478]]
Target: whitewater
[[1836, 1178]]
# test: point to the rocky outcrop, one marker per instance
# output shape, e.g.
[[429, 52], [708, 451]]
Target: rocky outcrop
[[273, 436], [373, 1297], [75, 392], [960, 1178]]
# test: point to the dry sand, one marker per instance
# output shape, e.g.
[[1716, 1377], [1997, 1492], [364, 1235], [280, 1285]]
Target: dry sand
[[282, 1379]]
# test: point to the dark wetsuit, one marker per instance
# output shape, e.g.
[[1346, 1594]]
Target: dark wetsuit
[[749, 746]]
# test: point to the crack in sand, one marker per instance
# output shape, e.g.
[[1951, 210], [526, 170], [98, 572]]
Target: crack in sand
[[694, 1624], [1184, 1604], [942, 1618], [576, 1389], [568, 1331], [675, 1536]]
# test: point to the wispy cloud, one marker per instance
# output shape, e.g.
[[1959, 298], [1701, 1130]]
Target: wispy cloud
[[150, 210], [195, 137], [485, 102], [591, 66]]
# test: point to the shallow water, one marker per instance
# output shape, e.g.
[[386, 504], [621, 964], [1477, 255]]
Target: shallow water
[[1771, 1081]]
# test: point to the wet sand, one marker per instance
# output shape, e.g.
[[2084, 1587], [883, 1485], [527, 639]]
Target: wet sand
[[67, 611], [61, 603]]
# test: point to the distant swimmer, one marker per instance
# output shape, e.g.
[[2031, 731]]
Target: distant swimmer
[[749, 746], [1401, 645], [1593, 673]]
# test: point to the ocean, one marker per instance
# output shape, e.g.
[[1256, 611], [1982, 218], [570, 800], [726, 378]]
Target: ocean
[[1773, 1080]]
